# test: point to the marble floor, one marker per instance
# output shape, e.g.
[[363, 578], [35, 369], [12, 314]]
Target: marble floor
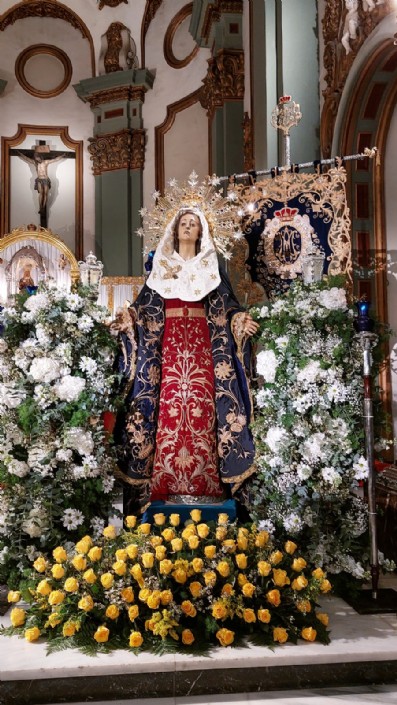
[[358, 666]]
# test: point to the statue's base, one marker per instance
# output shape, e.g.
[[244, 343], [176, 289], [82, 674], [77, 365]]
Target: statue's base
[[209, 512], [364, 603]]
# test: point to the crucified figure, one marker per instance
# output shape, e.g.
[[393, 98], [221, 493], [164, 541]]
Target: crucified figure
[[42, 182]]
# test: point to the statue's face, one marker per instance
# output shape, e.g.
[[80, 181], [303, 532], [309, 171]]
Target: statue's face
[[189, 228]]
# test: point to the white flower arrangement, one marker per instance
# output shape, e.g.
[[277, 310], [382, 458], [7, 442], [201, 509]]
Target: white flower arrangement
[[56, 466], [308, 426]]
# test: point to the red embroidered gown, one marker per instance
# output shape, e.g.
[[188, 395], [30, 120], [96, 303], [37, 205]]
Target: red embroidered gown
[[185, 460]]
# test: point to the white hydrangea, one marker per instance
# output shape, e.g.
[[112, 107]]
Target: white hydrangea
[[80, 440], [331, 476], [42, 335], [36, 522], [310, 373], [37, 302], [275, 438], [333, 299], [70, 388], [267, 364], [10, 396], [44, 369], [18, 468], [313, 447], [70, 318]]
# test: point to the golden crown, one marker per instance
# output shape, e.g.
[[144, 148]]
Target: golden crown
[[220, 211]]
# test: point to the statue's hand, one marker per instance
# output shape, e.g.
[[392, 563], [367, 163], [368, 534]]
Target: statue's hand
[[250, 326]]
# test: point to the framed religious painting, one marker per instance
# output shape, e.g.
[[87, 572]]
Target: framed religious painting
[[43, 186]]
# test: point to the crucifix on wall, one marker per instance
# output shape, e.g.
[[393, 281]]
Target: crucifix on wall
[[40, 157]]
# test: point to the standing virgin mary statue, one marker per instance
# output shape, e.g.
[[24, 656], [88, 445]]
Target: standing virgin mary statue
[[184, 435]]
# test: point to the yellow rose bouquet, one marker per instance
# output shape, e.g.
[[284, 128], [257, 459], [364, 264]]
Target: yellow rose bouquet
[[172, 585]]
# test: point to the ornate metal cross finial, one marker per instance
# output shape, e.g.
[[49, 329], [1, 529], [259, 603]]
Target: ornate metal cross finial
[[286, 115]]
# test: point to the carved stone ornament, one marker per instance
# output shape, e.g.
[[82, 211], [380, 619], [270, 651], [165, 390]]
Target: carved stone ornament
[[343, 35], [224, 80], [118, 51], [114, 95], [121, 150], [42, 8], [215, 10], [111, 3]]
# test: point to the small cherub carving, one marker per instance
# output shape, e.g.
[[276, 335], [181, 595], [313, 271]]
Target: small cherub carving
[[351, 24]]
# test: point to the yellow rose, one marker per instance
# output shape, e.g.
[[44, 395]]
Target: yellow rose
[[280, 577], [188, 608], [223, 568], [180, 576], [79, 562], [290, 547], [309, 634], [121, 554], [130, 522], [241, 579], [159, 519], [195, 588], [197, 565], [223, 518], [144, 529], [59, 554], [86, 603], [136, 572], [54, 619], [40, 564], [155, 541], [248, 589], [17, 616], [298, 564], [242, 543], [219, 610], [165, 566], [221, 533], [175, 519], [273, 596], [56, 597], [32, 634], [147, 560], [133, 612], [325, 586], [44, 587], [196, 515], [136, 639], [120, 567], [153, 601], [318, 574], [280, 634], [168, 534], [189, 530], [69, 629], [210, 551], [107, 580], [89, 576], [227, 589], [110, 532], [304, 606], [112, 611], [187, 637], [209, 577], [193, 542], [275, 557], [143, 594], [262, 539], [166, 597], [71, 585], [132, 550], [13, 596], [323, 618], [225, 636], [95, 554], [58, 571], [249, 616], [264, 616], [264, 568], [84, 545], [102, 634], [230, 545], [203, 530], [241, 560], [161, 552], [127, 594], [299, 583], [176, 544]]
